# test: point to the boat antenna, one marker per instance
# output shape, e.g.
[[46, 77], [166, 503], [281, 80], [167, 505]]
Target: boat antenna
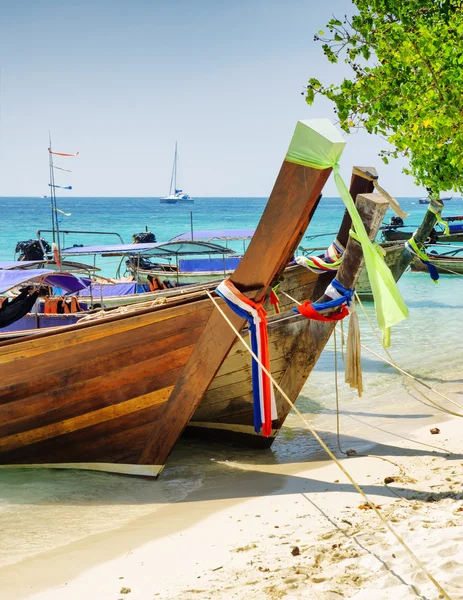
[[54, 211], [191, 224]]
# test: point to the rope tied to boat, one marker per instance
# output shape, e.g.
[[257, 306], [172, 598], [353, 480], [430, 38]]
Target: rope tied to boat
[[419, 251], [341, 297], [262, 390], [331, 260], [310, 428]]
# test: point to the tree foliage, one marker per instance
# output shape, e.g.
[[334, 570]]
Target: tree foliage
[[406, 85]]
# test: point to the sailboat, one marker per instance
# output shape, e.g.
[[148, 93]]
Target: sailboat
[[175, 194]]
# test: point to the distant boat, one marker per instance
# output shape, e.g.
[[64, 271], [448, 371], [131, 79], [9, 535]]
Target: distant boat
[[427, 200], [175, 194]]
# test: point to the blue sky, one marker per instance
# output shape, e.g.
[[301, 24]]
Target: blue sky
[[121, 81]]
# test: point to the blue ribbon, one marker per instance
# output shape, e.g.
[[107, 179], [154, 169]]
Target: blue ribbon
[[431, 269], [346, 298]]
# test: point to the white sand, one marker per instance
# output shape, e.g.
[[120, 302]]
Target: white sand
[[219, 544]]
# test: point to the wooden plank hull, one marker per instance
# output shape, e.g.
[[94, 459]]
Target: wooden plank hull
[[120, 391], [93, 395], [446, 265], [398, 235], [226, 411]]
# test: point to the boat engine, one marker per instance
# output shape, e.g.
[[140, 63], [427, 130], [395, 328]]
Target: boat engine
[[396, 222], [146, 237], [32, 250]]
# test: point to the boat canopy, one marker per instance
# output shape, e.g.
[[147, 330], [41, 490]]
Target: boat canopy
[[18, 264], [216, 234], [161, 249], [10, 278]]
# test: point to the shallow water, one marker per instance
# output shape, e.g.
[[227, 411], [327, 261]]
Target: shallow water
[[43, 510]]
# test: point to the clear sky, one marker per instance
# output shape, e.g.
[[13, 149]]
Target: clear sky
[[122, 80]]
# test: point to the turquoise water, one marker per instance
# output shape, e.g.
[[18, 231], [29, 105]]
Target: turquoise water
[[43, 510], [20, 218], [429, 342]]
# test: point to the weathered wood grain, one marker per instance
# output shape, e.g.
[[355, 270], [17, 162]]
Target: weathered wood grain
[[290, 206], [306, 341]]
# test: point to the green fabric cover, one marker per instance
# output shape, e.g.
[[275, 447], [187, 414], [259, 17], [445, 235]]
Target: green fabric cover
[[318, 144]]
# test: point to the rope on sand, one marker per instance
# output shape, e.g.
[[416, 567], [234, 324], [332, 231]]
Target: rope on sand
[[332, 456]]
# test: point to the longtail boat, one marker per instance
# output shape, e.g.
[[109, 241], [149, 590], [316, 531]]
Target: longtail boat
[[446, 263], [116, 394], [226, 411], [438, 234], [398, 256]]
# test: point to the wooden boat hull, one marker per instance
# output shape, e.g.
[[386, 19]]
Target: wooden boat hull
[[393, 235], [95, 405], [226, 411], [121, 391], [445, 265], [183, 278]]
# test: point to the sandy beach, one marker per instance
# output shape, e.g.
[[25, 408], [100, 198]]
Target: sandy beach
[[228, 523]]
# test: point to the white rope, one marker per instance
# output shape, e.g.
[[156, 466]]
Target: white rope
[[332, 456], [393, 364]]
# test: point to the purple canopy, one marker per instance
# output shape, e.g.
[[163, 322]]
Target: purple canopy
[[66, 281], [161, 249], [216, 234], [18, 264]]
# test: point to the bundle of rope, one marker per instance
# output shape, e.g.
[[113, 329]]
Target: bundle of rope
[[353, 363], [331, 260], [254, 312]]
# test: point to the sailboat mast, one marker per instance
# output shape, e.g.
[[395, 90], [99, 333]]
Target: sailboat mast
[[175, 169], [173, 177]]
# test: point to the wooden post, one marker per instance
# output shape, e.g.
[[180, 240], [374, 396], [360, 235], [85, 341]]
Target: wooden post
[[278, 234], [421, 235], [313, 338], [361, 183]]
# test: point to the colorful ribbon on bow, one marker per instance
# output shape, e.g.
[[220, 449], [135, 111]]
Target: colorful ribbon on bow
[[318, 145], [437, 212], [263, 396], [331, 261], [413, 247], [340, 296]]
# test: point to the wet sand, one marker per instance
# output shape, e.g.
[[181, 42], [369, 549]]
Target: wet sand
[[222, 522]]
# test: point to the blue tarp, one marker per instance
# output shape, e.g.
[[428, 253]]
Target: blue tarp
[[198, 265], [216, 234], [125, 288], [67, 281], [456, 228]]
